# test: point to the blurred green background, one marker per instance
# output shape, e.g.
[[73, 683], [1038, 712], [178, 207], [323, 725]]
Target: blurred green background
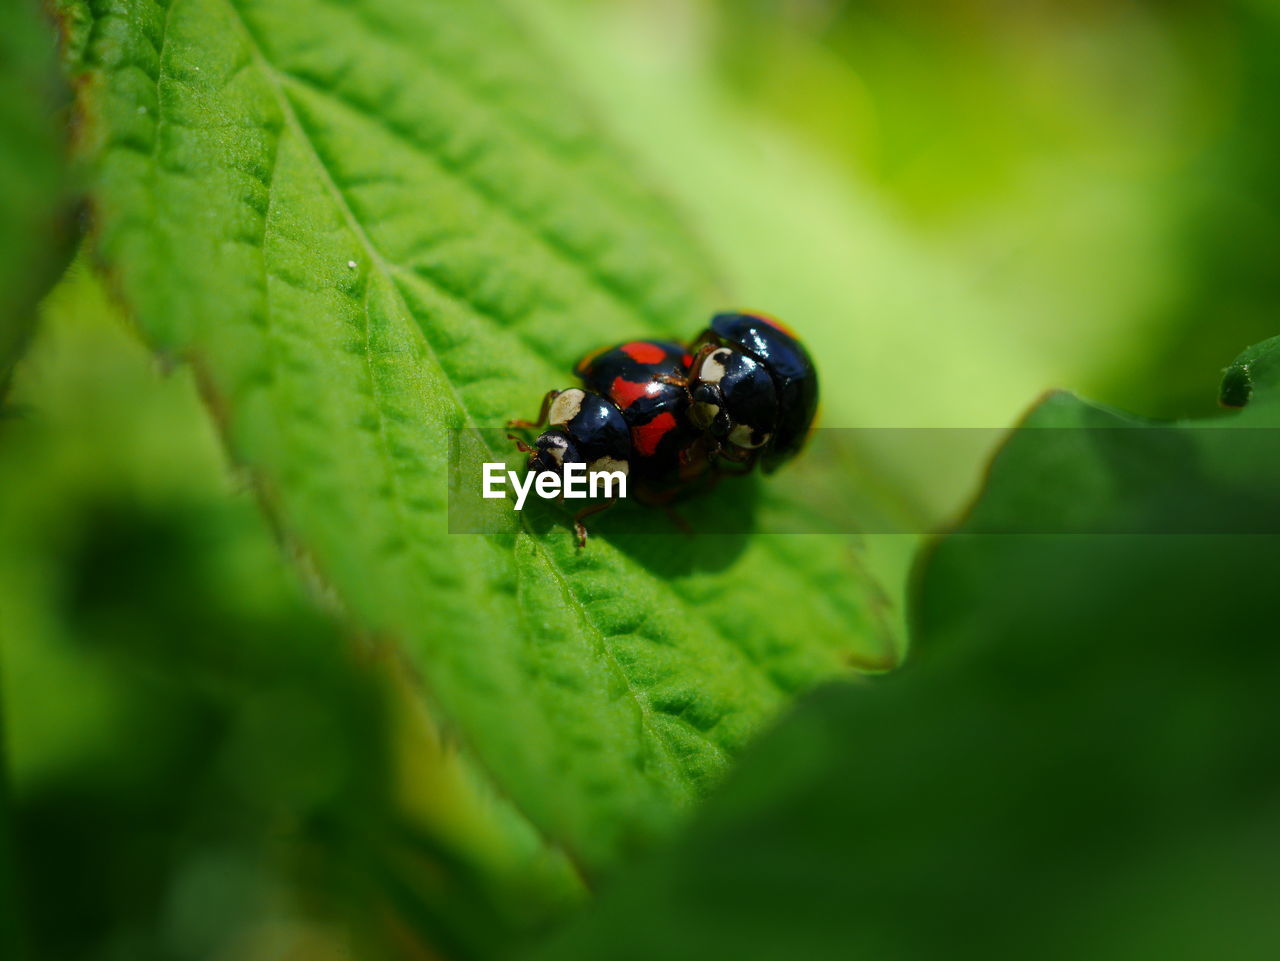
[[960, 204], [203, 761], [967, 201]]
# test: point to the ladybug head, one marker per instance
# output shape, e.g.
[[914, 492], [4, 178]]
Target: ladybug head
[[734, 400], [551, 451]]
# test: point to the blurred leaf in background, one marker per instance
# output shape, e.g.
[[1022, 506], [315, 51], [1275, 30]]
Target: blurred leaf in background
[[1107, 160], [962, 204], [203, 765], [35, 239], [1079, 761]]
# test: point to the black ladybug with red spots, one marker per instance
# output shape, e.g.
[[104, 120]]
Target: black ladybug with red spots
[[675, 419], [648, 381]]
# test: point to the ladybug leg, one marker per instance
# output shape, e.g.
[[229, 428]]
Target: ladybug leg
[[698, 458], [743, 466], [702, 341], [702, 348], [521, 446], [542, 413], [719, 455], [698, 358], [678, 520], [579, 528], [712, 449]]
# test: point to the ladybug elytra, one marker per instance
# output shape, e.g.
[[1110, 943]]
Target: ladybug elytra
[[647, 380]]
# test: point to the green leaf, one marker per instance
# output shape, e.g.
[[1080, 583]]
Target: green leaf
[[1258, 368], [33, 234], [366, 224], [11, 938], [164, 669], [1080, 761]]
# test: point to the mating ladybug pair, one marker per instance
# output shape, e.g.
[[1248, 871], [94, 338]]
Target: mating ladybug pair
[[675, 419]]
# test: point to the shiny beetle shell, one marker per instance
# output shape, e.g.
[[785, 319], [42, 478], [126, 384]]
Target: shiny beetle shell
[[736, 353], [646, 379]]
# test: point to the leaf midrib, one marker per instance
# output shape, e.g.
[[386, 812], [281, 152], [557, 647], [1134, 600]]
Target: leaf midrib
[[280, 79], [603, 282], [388, 272]]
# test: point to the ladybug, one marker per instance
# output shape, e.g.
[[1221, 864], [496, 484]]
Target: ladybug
[[753, 389], [670, 417]]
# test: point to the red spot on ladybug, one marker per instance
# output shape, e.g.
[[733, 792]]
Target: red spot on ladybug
[[626, 392], [646, 437], [644, 353], [686, 359]]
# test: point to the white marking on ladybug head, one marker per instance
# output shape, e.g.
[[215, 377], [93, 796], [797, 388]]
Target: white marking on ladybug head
[[713, 367], [608, 464], [744, 436], [703, 413], [565, 407], [555, 446]]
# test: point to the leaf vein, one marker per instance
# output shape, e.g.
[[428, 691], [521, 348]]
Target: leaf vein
[[577, 259], [376, 257]]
